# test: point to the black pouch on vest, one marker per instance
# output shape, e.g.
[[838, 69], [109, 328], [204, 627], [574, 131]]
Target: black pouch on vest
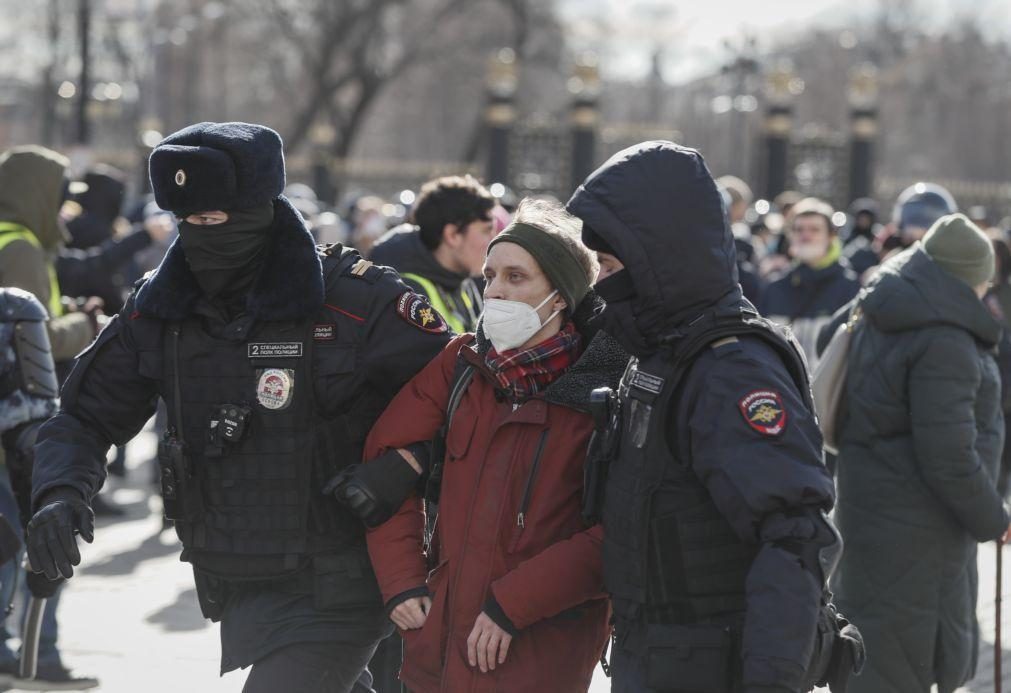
[[689, 659], [344, 579], [180, 492], [211, 594]]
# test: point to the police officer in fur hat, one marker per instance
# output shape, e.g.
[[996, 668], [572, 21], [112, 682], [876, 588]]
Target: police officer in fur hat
[[273, 357]]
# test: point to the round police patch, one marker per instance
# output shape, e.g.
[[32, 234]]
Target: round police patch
[[275, 388], [763, 410], [415, 309]]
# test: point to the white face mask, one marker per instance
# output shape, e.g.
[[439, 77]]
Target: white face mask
[[509, 324], [809, 252]]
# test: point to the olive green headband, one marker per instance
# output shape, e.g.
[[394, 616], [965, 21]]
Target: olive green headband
[[556, 260]]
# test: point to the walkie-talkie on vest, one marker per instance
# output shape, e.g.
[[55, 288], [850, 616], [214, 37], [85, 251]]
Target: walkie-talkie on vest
[[605, 408], [180, 495]]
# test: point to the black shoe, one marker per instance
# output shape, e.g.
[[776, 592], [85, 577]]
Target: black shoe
[[104, 508]]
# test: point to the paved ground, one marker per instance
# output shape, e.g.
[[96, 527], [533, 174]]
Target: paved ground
[[131, 617]]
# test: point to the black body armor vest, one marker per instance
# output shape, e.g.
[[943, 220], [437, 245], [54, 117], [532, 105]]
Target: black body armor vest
[[669, 554], [256, 449]]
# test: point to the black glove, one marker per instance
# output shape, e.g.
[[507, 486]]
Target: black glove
[[375, 490], [42, 587], [52, 547]]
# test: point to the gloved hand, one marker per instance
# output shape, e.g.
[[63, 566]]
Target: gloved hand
[[375, 490], [42, 587], [52, 547]]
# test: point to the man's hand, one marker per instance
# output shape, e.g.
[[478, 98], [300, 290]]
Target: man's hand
[[412, 613], [52, 547], [487, 644], [1006, 537]]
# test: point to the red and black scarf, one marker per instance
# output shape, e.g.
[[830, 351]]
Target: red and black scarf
[[522, 373]]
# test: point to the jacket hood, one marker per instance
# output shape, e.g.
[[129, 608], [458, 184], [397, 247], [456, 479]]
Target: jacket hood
[[31, 189], [911, 292], [402, 249], [289, 287], [657, 206]]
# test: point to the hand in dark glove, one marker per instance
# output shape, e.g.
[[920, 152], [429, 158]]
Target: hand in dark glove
[[42, 587], [52, 547], [375, 490]]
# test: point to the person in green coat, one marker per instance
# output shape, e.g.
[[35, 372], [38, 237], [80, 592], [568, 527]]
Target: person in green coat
[[920, 443]]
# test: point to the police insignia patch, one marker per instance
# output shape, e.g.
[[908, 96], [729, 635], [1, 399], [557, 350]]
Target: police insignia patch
[[275, 388], [415, 309], [763, 410]]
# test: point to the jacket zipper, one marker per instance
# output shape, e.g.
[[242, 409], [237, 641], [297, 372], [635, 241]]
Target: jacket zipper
[[525, 503]]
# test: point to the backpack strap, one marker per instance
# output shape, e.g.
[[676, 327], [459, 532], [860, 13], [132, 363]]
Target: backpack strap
[[463, 375]]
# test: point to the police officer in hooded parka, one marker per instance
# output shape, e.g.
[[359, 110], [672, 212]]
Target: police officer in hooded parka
[[717, 547], [273, 357]]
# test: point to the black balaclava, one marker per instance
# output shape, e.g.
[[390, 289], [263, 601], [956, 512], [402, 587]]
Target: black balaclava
[[226, 258], [619, 319]]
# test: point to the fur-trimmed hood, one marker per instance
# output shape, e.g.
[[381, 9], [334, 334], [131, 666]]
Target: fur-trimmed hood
[[289, 287]]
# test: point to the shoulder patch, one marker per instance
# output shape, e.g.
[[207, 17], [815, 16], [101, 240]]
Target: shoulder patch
[[415, 309], [764, 411]]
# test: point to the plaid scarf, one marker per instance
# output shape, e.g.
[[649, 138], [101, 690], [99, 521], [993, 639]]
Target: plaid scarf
[[522, 373]]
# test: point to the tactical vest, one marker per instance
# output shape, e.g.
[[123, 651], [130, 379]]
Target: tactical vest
[[669, 554], [258, 511]]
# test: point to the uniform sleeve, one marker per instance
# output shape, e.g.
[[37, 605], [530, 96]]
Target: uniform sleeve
[[78, 268], [105, 401], [396, 347], [415, 414], [757, 448], [943, 384], [564, 575]]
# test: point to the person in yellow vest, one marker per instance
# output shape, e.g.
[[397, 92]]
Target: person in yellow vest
[[442, 249], [32, 189]]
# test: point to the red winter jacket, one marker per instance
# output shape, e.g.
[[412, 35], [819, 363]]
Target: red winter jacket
[[509, 527]]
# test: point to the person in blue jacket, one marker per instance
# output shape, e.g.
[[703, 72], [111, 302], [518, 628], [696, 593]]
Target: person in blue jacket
[[819, 282]]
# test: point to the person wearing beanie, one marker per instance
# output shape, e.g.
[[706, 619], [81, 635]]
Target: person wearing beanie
[[508, 404], [716, 489], [273, 357], [963, 250], [920, 446]]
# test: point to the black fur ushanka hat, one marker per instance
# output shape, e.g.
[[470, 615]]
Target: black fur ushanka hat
[[217, 166]]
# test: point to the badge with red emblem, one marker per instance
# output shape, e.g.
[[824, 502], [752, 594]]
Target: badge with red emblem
[[275, 388], [763, 410]]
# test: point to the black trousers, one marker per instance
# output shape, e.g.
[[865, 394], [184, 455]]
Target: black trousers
[[385, 665], [313, 667]]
